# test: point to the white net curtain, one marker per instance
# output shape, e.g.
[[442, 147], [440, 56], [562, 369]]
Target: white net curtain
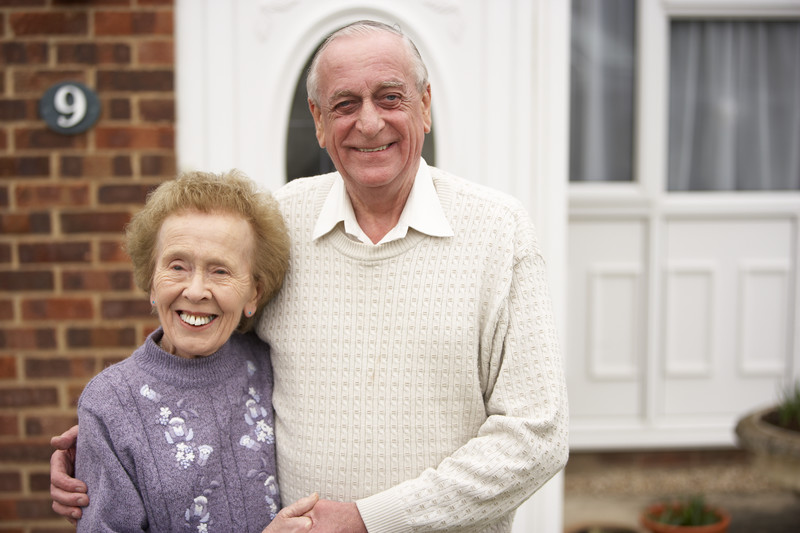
[[734, 100]]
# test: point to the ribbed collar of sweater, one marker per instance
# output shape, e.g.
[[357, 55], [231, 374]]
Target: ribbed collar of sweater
[[200, 371]]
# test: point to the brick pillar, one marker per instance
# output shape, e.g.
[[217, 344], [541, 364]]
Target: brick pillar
[[68, 305]]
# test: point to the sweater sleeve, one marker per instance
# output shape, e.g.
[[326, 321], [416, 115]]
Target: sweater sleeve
[[523, 441], [115, 502]]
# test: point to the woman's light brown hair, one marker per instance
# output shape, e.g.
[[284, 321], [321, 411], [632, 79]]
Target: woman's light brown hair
[[231, 193]]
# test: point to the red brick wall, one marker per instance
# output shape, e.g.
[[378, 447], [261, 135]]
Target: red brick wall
[[68, 305]]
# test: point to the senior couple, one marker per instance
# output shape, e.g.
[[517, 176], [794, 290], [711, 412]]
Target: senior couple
[[418, 383]]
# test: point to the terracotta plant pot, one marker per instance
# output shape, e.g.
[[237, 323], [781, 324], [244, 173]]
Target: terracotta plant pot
[[659, 527], [776, 449]]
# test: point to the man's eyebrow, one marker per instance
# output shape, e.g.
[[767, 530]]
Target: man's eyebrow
[[346, 93]]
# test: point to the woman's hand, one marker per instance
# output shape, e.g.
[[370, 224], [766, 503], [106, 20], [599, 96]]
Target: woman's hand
[[290, 519], [68, 493]]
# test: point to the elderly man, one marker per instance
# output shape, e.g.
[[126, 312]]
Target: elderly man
[[418, 378]]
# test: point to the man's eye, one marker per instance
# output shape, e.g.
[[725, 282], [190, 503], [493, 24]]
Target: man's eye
[[343, 106]]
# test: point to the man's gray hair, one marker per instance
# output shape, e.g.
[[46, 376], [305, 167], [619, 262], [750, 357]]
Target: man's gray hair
[[360, 28]]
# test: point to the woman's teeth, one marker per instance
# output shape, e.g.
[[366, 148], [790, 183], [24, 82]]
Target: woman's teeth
[[196, 320]]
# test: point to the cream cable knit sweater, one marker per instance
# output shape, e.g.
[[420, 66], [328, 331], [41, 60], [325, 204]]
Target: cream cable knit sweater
[[421, 378]]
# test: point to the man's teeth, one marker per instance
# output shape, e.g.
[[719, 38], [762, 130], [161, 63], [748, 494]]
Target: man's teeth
[[196, 320], [378, 149]]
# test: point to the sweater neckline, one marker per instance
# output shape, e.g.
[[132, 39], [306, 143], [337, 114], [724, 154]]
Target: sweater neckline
[[197, 372]]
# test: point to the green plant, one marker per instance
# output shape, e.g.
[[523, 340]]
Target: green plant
[[789, 407], [689, 512]]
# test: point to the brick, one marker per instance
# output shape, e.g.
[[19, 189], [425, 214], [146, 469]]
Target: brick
[[135, 137], [10, 482], [25, 509], [59, 252], [18, 397], [156, 52], [27, 338], [97, 280], [27, 167], [5, 253], [157, 110], [113, 252], [57, 309], [23, 224], [94, 54], [119, 109], [133, 23], [13, 109], [158, 165], [35, 280], [101, 337], [3, 134], [73, 394], [35, 82], [6, 309], [39, 196], [94, 222], [49, 23], [96, 166], [4, 197], [8, 367], [135, 80], [79, 367], [47, 426], [46, 140], [40, 481], [139, 308], [23, 53], [122, 166], [9, 425], [123, 194]]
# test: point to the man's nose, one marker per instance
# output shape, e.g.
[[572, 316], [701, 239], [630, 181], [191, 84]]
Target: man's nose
[[370, 121]]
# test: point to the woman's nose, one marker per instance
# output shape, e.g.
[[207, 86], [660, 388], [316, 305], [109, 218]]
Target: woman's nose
[[196, 288]]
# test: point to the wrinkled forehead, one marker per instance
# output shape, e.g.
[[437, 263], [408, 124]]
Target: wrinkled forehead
[[366, 60]]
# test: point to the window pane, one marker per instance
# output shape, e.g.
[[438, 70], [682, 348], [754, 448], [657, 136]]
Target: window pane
[[734, 119], [602, 90], [304, 157]]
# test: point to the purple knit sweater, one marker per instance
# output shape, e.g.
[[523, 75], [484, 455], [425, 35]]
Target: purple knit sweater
[[174, 444]]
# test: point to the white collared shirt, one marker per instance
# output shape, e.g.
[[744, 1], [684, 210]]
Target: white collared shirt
[[422, 211]]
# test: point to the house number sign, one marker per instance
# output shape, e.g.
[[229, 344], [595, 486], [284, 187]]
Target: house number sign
[[69, 107]]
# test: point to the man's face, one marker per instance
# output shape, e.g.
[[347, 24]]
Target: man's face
[[371, 118]]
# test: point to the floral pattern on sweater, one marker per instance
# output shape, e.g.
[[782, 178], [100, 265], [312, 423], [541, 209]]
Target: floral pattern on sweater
[[180, 435]]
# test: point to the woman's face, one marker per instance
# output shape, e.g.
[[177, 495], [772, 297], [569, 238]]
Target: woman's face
[[203, 281]]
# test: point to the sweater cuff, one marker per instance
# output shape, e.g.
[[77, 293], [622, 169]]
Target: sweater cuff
[[382, 512]]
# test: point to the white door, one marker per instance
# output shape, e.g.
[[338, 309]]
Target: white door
[[500, 100], [683, 229]]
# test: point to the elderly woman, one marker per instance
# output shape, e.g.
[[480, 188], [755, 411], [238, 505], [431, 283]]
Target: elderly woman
[[179, 436]]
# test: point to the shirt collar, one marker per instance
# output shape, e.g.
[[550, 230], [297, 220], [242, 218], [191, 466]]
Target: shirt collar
[[423, 211]]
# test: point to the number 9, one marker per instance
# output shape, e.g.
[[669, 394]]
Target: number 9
[[69, 107], [75, 110]]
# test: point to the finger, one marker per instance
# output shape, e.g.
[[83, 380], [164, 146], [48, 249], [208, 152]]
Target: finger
[[283, 524], [300, 507], [65, 440], [71, 514], [68, 499], [61, 467]]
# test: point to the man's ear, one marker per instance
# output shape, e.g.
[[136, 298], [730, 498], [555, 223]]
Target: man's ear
[[426, 109], [316, 112]]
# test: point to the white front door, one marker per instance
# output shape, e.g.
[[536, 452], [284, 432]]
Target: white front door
[[499, 80]]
